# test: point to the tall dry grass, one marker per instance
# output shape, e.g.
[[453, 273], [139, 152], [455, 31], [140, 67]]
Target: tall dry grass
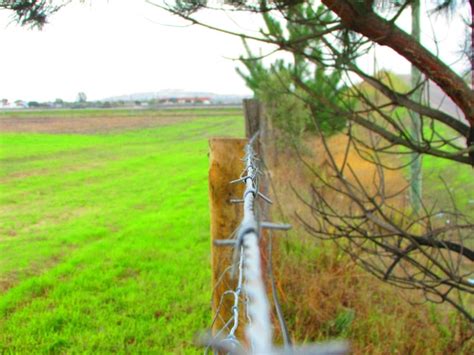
[[325, 294]]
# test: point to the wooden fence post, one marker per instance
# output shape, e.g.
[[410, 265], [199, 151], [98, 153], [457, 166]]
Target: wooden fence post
[[252, 113], [255, 121], [225, 165]]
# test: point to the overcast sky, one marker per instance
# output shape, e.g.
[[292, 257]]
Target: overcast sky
[[108, 48]]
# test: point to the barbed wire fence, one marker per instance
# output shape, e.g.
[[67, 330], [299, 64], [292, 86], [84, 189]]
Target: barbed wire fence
[[247, 291]]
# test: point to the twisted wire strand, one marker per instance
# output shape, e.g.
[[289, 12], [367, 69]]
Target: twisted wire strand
[[249, 295], [229, 342], [237, 292], [259, 331]]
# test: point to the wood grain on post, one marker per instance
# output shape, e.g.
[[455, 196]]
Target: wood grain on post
[[225, 165]]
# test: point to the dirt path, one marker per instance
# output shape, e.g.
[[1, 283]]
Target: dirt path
[[86, 125]]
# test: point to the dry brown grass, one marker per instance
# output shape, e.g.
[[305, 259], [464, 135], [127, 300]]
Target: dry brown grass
[[329, 296], [324, 294], [85, 125]]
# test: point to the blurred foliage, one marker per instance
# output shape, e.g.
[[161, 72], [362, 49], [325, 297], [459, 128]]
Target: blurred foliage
[[290, 107], [32, 13]]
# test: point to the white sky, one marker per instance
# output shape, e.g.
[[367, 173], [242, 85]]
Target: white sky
[[108, 48]]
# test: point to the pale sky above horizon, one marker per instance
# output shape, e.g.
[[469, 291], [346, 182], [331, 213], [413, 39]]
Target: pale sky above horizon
[[108, 48]]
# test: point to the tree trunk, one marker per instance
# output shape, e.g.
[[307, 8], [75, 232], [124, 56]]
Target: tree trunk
[[416, 163]]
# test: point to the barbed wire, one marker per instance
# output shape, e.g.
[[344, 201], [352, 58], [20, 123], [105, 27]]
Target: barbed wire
[[249, 295]]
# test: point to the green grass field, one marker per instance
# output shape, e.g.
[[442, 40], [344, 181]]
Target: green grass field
[[104, 238]]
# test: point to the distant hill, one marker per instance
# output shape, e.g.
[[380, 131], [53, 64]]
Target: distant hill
[[171, 93]]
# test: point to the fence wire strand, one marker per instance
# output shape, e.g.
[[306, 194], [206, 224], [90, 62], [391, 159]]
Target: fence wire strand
[[253, 303], [249, 295]]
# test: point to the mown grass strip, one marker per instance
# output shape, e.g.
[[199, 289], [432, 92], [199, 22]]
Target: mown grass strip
[[104, 239]]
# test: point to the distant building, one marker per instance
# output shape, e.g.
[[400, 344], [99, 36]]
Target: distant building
[[203, 100], [185, 100]]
